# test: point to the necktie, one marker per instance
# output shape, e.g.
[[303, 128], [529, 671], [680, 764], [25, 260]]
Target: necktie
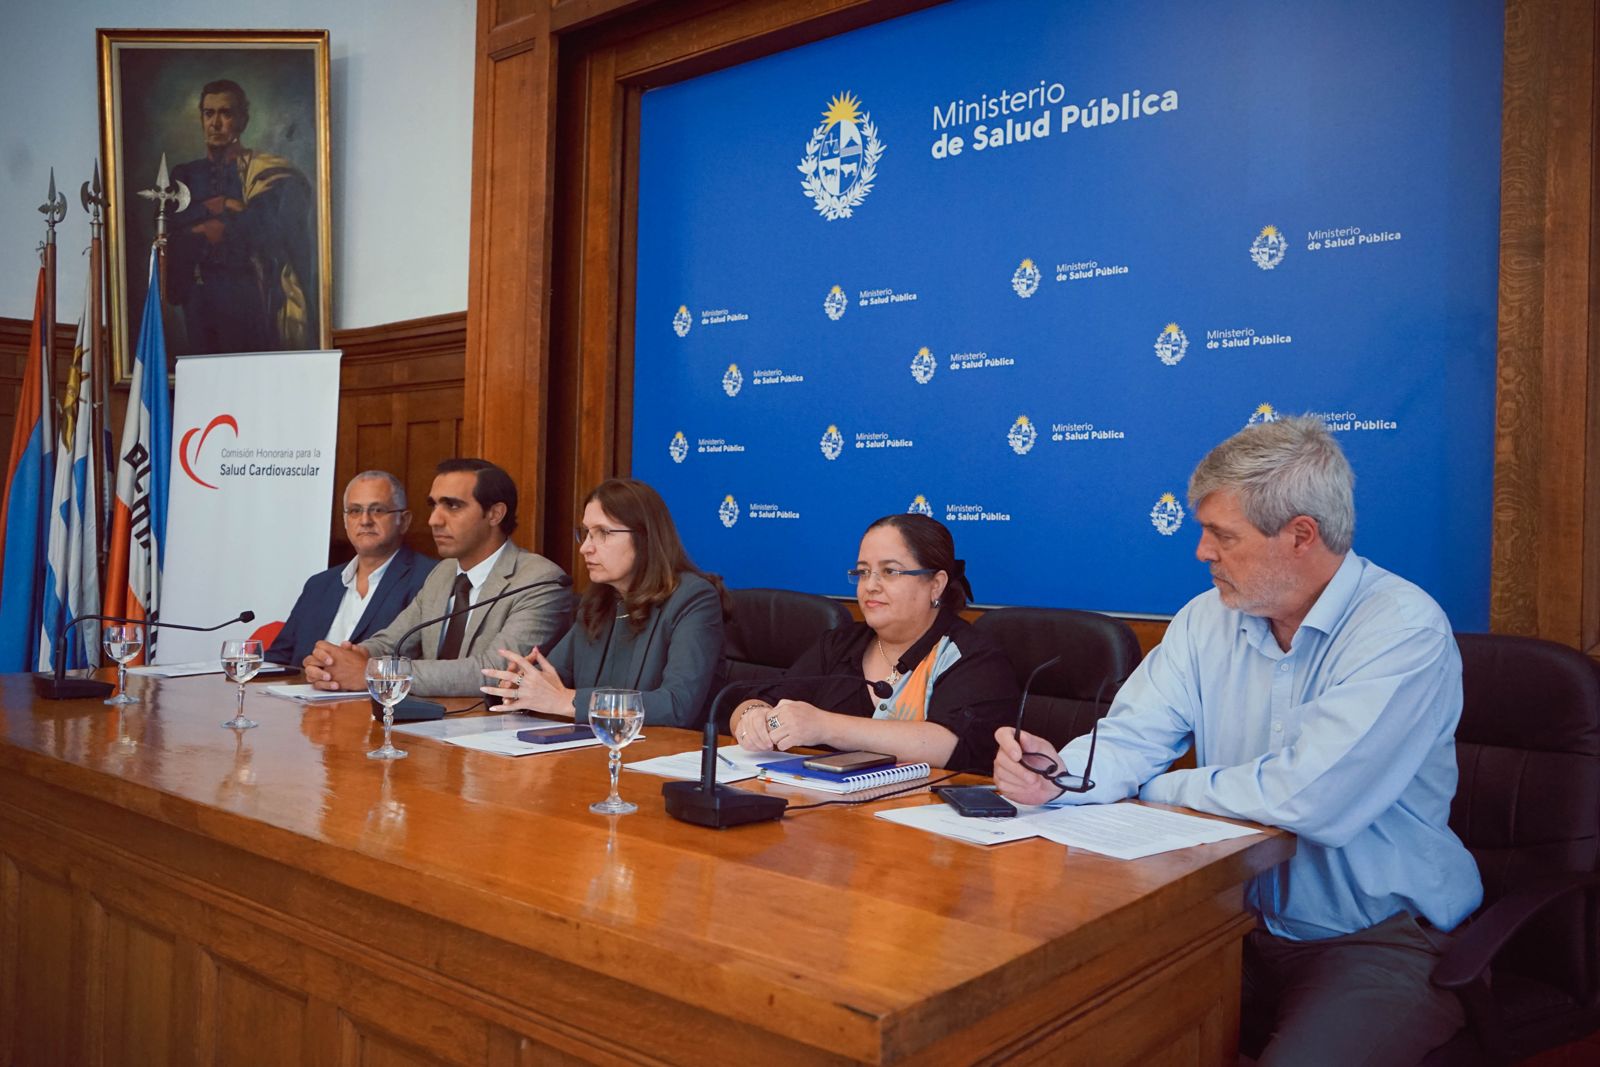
[[456, 628]]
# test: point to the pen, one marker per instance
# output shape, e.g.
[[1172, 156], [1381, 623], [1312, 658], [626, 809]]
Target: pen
[[728, 761]]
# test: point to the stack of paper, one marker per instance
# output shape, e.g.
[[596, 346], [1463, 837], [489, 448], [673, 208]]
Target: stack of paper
[[945, 820], [310, 694], [505, 743], [1122, 831], [736, 764], [208, 666], [1130, 831]]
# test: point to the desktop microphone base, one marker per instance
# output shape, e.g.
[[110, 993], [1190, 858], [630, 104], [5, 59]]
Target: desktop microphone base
[[411, 710], [723, 807], [46, 686]]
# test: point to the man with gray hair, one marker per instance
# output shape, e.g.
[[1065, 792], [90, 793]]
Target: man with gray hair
[[1321, 694], [354, 601]]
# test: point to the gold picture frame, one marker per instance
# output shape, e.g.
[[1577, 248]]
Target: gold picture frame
[[241, 118]]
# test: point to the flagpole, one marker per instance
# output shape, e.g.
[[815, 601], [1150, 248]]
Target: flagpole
[[93, 197], [54, 209]]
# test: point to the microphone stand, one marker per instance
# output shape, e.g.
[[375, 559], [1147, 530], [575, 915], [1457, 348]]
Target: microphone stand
[[415, 709], [57, 686], [706, 803]]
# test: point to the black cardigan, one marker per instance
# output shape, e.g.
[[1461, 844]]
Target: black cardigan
[[971, 699]]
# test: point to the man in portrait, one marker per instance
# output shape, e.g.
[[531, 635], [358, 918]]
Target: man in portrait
[[239, 257]]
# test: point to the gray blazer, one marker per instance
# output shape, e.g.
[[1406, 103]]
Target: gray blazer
[[674, 661], [537, 617]]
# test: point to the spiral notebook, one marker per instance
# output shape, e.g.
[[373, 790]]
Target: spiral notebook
[[794, 772]]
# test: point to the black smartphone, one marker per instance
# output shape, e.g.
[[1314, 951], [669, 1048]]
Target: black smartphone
[[976, 801], [848, 762], [556, 736]]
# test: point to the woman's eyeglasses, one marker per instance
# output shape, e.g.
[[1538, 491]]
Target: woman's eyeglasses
[[888, 574], [597, 533]]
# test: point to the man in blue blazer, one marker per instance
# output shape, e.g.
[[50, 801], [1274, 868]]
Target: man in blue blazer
[[354, 601]]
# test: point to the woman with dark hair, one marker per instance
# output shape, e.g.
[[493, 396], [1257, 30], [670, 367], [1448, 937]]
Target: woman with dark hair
[[950, 686], [650, 620]]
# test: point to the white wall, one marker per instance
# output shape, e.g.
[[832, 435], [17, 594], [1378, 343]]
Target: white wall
[[401, 111]]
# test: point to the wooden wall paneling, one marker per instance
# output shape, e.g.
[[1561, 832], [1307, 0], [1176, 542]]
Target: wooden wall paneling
[[599, 225], [43, 980], [257, 1021], [141, 969], [87, 976], [402, 391], [509, 268], [627, 277], [10, 879], [1568, 501], [1546, 556], [683, 41], [562, 473]]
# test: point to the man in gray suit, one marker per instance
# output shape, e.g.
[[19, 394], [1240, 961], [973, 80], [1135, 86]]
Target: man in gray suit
[[472, 512]]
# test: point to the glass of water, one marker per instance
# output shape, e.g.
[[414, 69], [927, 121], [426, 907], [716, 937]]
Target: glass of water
[[241, 661], [616, 715], [388, 681], [123, 640]]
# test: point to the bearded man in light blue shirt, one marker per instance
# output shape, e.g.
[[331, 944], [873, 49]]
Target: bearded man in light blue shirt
[[1321, 694]]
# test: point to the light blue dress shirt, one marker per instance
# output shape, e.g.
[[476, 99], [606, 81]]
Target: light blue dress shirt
[[1347, 739]]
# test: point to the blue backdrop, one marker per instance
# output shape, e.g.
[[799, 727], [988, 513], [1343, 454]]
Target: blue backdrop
[[1020, 263]]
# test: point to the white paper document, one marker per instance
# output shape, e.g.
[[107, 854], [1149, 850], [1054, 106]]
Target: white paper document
[[463, 725], [188, 670], [736, 765], [505, 743], [310, 694], [944, 820], [1130, 831]]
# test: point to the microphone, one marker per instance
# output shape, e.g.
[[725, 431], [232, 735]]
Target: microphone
[[705, 803], [57, 686], [414, 709]]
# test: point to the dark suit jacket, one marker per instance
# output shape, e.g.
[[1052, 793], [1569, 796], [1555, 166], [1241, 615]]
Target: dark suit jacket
[[319, 601], [536, 617], [674, 660]]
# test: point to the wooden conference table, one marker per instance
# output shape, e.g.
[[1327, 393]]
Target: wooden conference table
[[171, 892]]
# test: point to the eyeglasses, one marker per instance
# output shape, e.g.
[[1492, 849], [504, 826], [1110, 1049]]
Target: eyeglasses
[[888, 574], [377, 511], [1043, 765], [598, 533]]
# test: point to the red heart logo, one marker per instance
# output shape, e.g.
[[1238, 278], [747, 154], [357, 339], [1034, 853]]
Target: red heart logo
[[183, 446]]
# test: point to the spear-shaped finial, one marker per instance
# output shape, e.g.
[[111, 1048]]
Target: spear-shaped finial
[[166, 191], [93, 196], [54, 209]]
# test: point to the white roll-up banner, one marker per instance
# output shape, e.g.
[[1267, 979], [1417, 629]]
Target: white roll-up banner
[[253, 440]]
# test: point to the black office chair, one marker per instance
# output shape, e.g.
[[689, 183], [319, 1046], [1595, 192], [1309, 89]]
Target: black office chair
[[1528, 807], [770, 628], [1097, 655]]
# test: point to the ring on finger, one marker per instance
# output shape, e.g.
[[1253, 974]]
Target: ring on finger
[[772, 722]]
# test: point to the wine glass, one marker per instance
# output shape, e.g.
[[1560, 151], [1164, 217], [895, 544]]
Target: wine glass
[[241, 660], [123, 640], [617, 716], [388, 681]]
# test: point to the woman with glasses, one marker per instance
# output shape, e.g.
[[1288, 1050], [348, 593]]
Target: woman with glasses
[[913, 679], [650, 620]]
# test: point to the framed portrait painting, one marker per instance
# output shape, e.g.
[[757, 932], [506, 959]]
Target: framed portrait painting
[[236, 123]]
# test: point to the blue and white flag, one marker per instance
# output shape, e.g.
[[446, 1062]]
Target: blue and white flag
[[72, 562], [139, 512]]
